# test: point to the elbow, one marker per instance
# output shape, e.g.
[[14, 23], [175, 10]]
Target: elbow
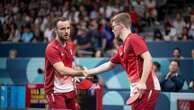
[[111, 65], [151, 59], [148, 59]]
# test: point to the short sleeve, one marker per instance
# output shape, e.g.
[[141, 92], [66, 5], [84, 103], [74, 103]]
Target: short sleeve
[[138, 44], [116, 58], [53, 55]]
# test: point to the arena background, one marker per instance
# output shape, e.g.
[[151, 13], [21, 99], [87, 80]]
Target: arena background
[[21, 75]]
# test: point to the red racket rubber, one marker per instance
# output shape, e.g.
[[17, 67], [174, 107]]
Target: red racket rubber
[[133, 98], [85, 84]]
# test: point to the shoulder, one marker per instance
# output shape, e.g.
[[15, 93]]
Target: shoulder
[[136, 40], [178, 78], [135, 37], [51, 46]]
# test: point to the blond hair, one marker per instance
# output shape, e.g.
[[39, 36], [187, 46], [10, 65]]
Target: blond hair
[[123, 18]]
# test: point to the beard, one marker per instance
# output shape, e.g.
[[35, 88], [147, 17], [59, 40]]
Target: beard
[[64, 38]]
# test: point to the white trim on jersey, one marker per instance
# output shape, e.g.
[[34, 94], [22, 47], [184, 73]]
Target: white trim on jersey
[[63, 87]]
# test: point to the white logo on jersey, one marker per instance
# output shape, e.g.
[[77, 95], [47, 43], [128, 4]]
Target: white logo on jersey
[[62, 54]]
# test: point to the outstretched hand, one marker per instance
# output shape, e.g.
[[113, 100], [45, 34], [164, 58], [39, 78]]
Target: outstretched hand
[[85, 73]]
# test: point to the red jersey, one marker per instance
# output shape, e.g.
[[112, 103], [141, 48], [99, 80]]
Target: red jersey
[[54, 82], [128, 55]]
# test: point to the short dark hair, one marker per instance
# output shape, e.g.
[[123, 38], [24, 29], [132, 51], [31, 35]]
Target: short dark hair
[[174, 60], [157, 64], [56, 20], [176, 48]]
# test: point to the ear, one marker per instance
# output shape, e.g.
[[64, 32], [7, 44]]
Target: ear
[[122, 26], [55, 31]]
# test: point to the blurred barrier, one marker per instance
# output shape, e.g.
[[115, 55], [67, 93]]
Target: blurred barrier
[[18, 97], [21, 71], [35, 96], [28, 70], [185, 104], [12, 96]]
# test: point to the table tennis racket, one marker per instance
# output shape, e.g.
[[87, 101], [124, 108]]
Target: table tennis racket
[[84, 84], [133, 98]]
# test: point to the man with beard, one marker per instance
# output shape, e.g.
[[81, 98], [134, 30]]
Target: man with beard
[[59, 86]]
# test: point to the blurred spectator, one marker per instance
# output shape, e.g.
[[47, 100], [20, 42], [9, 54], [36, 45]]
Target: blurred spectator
[[95, 36], [1, 31], [139, 7], [48, 33], [176, 54], [156, 68], [191, 84], [84, 43], [16, 14], [14, 34], [172, 81], [6, 32], [184, 35], [178, 24], [157, 35], [27, 35], [192, 53], [116, 45], [134, 19], [169, 32], [38, 35], [106, 41], [151, 12], [12, 54], [191, 29]]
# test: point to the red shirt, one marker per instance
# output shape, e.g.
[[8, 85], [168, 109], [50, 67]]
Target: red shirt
[[55, 52], [128, 55]]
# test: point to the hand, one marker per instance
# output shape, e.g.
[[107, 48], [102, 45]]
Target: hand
[[85, 73], [141, 86], [76, 79]]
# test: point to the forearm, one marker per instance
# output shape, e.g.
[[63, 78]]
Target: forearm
[[146, 69], [64, 70], [72, 72], [102, 68]]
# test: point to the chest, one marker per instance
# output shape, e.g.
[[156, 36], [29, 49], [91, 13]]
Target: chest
[[66, 56], [126, 51]]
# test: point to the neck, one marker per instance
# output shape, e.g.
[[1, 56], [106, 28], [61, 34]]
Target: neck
[[61, 41], [173, 73], [125, 33]]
